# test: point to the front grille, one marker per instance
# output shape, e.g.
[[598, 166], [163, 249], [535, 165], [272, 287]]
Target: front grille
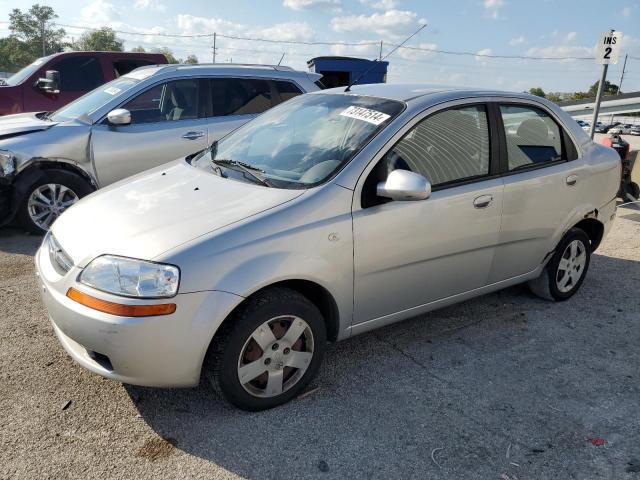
[[61, 262]]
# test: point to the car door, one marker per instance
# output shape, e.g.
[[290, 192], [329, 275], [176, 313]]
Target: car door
[[233, 101], [411, 253], [167, 122], [543, 182], [79, 74]]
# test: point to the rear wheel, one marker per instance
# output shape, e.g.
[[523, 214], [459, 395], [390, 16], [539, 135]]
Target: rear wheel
[[565, 272], [49, 197], [267, 353]]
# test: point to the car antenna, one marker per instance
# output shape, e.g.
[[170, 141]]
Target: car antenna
[[373, 64], [281, 58]]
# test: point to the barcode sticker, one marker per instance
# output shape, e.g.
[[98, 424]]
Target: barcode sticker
[[365, 114]]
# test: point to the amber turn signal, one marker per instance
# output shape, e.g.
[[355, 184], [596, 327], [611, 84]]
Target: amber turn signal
[[120, 309]]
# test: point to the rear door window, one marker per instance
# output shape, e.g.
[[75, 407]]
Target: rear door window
[[81, 73], [533, 138], [240, 96]]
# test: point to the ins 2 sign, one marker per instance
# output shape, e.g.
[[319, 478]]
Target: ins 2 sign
[[609, 48]]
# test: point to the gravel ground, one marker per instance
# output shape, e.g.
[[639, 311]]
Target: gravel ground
[[506, 386]]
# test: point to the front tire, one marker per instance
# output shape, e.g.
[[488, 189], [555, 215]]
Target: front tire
[[267, 352], [47, 198], [565, 272]]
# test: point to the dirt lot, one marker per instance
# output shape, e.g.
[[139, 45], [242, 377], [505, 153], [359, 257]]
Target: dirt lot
[[506, 386]]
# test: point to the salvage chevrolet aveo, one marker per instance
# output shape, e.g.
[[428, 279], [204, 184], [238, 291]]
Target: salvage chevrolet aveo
[[329, 215]]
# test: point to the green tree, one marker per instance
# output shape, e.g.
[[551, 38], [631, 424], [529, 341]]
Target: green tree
[[581, 95], [103, 40], [609, 88], [554, 97], [33, 28], [538, 92], [168, 54], [14, 54], [191, 59], [138, 49]]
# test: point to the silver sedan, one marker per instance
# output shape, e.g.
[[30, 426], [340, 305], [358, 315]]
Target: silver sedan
[[330, 215]]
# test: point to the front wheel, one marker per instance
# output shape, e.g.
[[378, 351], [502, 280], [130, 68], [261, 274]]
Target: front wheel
[[48, 198], [565, 272], [266, 353]]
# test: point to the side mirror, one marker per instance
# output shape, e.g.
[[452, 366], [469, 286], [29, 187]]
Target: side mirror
[[51, 82], [119, 116], [404, 185]]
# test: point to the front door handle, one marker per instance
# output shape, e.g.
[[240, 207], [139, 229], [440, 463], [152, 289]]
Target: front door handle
[[572, 180], [483, 201], [193, 135]]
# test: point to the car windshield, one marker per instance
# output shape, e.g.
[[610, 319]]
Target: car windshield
[[94, 99], [302, 142], [21, 75]]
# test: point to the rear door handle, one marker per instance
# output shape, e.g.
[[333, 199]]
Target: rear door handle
[[483, 201], [572, 180], [193, 135]]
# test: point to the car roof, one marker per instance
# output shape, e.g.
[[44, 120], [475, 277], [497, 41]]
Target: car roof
[[103, 53], [237, 69], [407, 92]]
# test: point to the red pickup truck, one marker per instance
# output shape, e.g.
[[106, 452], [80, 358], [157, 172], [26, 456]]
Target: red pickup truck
[[51, 82]]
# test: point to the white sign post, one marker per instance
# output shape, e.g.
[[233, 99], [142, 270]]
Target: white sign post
[[607, 52]]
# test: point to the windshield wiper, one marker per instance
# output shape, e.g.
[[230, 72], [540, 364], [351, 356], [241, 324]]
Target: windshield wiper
[[254, 172]]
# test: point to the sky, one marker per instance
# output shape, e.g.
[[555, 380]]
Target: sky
[[542, 28]]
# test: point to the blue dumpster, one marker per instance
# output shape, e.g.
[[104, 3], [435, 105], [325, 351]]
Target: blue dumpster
[[341, 71]]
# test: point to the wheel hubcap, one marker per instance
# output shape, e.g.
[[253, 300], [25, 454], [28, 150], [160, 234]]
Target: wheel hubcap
[[276, 356], [47, 202], [571, 267]]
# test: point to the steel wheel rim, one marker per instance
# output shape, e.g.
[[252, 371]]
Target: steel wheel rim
[[47, 202], [275, 356], [571, 266]]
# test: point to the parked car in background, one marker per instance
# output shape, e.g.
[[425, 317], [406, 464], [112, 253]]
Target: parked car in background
[[330, 215], [51, 82], [138, 121], [618, 129], [601, 128], [635, 130]]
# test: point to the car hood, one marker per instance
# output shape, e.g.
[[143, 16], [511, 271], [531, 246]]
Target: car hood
[[152, 212], [21, 123]]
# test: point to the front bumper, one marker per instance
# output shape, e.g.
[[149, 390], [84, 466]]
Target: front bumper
[[162, 351]]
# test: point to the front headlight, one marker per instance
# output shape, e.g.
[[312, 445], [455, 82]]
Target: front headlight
[[131, 277], [7, 163]]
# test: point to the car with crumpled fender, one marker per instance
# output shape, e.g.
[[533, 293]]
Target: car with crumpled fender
[[330, 215], [150, 116]]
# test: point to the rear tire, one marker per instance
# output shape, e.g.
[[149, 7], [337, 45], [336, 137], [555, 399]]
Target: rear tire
[[268, 351], [48, 197], [567, 269]]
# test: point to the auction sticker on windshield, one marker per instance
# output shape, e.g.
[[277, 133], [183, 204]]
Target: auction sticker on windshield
[[112, 90], [365, 114]]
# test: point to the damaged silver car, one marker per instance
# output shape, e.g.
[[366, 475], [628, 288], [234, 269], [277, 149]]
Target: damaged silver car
[[49, 160]]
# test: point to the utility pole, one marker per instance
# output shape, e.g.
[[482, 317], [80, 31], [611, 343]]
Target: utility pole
[[380, 56], [44, 44], [214, 47], [596, 108], [624, 67]]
